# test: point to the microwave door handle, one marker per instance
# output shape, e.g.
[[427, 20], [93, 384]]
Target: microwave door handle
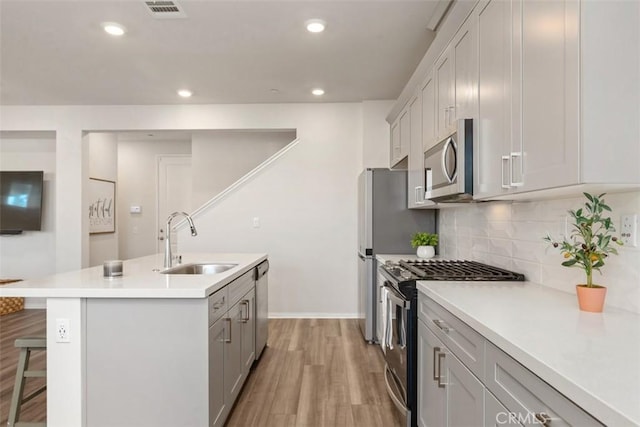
[[447, 146]]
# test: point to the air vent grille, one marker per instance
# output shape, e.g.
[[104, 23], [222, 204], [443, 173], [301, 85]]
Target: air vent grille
[[165, 9]]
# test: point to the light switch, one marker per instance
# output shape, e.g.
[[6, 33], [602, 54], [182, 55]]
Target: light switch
[[135, 209], [256, 222]]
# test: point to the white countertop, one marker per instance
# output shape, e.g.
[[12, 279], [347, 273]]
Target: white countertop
[[141, 279], [593, 359]]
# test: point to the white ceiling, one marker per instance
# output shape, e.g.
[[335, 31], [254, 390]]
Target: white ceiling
[[54, 52]]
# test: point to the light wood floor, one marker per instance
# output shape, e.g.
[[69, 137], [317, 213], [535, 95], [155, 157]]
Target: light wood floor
[[313, 373], [316, 373], [21, 324]]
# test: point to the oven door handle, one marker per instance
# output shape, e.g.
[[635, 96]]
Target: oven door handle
[[397, 300]]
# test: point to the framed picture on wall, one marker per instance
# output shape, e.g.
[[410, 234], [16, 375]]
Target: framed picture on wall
[[102, 206]]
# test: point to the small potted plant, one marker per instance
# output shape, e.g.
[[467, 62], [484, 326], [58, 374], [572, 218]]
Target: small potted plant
[[587, 247], [425, 243]]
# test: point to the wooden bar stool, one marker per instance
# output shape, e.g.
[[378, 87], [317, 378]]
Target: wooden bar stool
[[25, 344]]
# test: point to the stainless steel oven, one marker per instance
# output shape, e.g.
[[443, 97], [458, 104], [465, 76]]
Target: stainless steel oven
[[449, 166]]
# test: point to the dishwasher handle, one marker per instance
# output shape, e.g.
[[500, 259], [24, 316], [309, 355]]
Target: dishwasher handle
[[261, 270]]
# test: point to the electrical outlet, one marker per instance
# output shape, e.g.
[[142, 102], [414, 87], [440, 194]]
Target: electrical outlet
[[629, 230], [62, 330]]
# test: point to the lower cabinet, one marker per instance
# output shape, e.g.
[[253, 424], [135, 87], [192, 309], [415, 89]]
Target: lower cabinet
[[465, 380], [448, 393], [231, 351]]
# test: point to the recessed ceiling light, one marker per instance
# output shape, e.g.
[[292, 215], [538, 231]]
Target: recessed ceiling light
[[318, 92], [315, 25], [185, 93], [114, 28]]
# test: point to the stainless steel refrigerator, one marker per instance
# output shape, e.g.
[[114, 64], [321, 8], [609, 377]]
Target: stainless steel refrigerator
[[385, 226]]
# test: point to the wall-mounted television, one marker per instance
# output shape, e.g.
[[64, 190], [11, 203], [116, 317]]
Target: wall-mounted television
[[20, 201]]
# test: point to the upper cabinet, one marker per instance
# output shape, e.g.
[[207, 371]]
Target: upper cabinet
[[400, 140], [553, 90], [415, 170]]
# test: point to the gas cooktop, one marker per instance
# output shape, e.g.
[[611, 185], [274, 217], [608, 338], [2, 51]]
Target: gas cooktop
[[451, 270]]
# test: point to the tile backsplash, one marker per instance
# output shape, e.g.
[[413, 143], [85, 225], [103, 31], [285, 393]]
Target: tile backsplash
[[509, 235]]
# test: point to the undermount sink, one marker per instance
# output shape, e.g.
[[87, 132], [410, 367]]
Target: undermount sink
[[208, 268]]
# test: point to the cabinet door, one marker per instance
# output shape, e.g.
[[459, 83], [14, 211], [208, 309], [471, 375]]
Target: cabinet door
[[248, 338], [217, 408], [431, 397], [549, 94], [233, 373], [405, 132], [429, 107], [465, 394], [395, 143], [495, 414], [465, 60], [492, 145], [415, 177], [444, 93]]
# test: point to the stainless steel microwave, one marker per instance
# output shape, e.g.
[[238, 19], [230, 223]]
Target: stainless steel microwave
[[449, 166]]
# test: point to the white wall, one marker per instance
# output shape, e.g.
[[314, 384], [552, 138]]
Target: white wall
[[306, 205], [309, 218], [375, 134], [137, 176], [510, 236], [32, 253], [103, 164], [220, 158]]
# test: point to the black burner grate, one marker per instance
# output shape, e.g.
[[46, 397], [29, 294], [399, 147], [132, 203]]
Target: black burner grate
[[458, 270]]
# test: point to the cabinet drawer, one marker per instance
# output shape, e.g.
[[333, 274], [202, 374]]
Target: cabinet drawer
[[463, 341], [239, 287], [218, 304], [526, 396]]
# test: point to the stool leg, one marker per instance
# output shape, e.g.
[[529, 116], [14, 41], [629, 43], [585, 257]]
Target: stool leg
[[18, 387]]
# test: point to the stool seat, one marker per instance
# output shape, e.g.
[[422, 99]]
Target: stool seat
[[26, 345]]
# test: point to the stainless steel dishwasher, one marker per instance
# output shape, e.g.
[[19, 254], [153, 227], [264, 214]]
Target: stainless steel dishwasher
[[262, 307]]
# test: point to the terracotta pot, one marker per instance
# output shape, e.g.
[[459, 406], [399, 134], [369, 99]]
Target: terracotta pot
[[591, 299], [426, 252]]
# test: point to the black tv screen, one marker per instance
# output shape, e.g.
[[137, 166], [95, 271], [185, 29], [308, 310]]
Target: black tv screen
[[20, 200]]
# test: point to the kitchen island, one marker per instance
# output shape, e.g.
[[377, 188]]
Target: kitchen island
[[140, 345]]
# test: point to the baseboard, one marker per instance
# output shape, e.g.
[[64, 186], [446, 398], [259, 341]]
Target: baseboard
[[313, 316], [31, 303]]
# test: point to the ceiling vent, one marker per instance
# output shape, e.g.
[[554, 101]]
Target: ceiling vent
[[165, 9]]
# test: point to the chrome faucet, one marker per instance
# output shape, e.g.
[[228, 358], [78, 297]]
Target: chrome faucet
[[168, 259]]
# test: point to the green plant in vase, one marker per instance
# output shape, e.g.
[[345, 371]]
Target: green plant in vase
[[591, 240], [424, 242]]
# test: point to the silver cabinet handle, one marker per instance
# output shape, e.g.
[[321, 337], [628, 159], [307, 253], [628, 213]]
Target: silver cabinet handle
[[544, 419], [441, 357], [452, 114], [228, 340], [443, 326], [511, 180], [245, 303], [436, 373], [505, 159], [419, 196]]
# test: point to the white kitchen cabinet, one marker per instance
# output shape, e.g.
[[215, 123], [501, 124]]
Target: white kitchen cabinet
[[428, 92], [415, 173], [492, 145], [217, 407], [495, 413], [431, 397], [546, 98], [448, 393], [401, 139], [445, 93], [464, 51]]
